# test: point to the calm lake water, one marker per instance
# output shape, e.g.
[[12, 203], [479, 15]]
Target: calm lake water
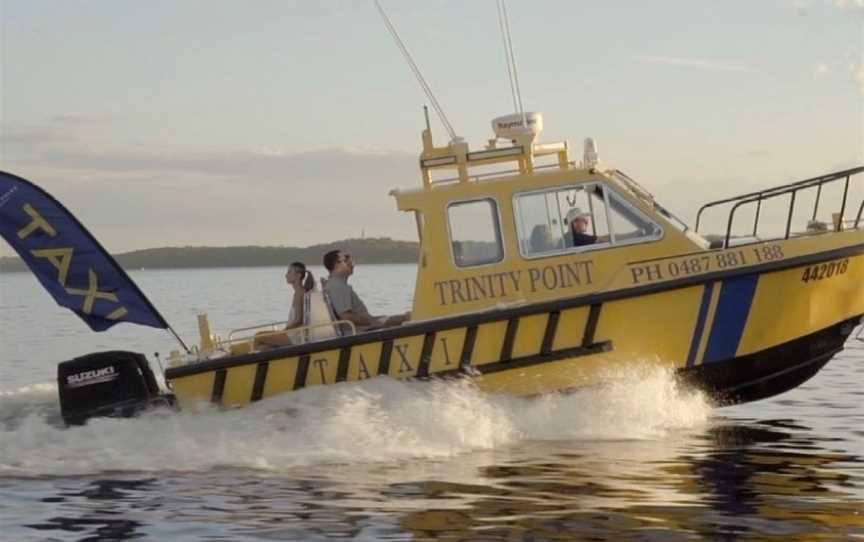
[[388, 460]]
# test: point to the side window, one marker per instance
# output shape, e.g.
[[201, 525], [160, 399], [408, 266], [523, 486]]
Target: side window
[[539, 223], [576, 218], [475, 234]]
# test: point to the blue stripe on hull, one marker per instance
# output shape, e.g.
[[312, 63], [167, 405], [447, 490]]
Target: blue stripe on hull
[[700, 323], [736, 297]]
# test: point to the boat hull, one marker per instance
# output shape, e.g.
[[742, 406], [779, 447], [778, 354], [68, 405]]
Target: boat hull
[[772, 371], [741, 335]]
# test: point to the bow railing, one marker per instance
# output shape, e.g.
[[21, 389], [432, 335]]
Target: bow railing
[[791, 189]]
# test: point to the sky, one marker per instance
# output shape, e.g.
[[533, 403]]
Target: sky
[[181, 122]]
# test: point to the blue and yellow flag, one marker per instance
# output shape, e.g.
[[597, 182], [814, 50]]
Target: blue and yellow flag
[[78, 273]]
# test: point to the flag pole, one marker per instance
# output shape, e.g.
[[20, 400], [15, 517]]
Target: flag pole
[[186, 348]]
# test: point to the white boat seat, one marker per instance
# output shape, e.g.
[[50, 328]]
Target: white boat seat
[[317, 312]]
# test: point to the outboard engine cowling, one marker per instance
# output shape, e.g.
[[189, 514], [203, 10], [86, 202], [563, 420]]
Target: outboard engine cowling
[[113, 384]]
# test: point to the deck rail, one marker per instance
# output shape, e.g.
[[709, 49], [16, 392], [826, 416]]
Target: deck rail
[[270, 328], [792, 190]]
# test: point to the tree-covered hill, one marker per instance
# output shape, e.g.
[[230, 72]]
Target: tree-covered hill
[[371, 250]]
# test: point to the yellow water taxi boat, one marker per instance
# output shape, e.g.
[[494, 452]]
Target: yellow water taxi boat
[[538, 274]]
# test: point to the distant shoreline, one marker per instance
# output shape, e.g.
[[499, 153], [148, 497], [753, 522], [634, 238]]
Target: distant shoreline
[[381, 250]]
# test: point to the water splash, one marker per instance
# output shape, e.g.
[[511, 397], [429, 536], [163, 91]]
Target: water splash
[[377, 420], [37, 400], [638, 401]]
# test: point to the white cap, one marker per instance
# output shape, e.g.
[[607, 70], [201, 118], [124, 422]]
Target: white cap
[[575, 213]]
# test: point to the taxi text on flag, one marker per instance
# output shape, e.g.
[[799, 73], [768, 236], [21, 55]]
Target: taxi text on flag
[[78, 273]]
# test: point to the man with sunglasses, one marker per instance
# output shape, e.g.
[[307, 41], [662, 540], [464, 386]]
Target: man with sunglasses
[[345, 302]]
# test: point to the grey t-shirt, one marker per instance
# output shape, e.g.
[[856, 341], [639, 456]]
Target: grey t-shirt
[[343, 298]]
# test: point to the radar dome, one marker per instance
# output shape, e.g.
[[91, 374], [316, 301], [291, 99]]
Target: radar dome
[[511, 126]]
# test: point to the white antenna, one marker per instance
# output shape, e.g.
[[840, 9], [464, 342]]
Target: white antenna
[[510, 59], [507, 57], [425, 86]]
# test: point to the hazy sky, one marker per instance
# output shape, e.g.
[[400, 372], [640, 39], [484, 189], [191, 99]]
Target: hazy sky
[[287, 122]]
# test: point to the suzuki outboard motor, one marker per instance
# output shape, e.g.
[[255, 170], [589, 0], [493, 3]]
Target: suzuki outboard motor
[[114, 384]]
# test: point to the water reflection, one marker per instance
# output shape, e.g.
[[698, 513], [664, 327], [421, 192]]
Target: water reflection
[[96, 529], [734, 480], [104, 520], [768, 478], [737, 479]]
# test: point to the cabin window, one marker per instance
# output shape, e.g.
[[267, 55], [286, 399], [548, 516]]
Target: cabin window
[[475, 233], [578, 218]]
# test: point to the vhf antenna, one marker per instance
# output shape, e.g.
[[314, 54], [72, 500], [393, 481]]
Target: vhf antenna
[[423, 84], [510, 60]]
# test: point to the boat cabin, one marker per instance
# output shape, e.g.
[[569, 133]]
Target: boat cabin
[[522, 222]]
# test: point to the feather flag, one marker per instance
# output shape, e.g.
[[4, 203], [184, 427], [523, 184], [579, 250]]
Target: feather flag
[[78, 273]]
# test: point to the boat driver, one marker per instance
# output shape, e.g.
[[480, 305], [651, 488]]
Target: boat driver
[[345, 302], [576, 235]]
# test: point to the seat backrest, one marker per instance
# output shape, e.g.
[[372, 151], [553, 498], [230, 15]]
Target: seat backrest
[[317, 311]]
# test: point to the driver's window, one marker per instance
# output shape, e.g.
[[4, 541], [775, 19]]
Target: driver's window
[[628, 223], [584, 203], [581, 217]]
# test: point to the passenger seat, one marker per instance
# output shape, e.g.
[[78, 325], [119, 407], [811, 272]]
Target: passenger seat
[[317, 311]]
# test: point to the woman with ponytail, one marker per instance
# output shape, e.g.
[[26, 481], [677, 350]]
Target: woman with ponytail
[[302, 281]]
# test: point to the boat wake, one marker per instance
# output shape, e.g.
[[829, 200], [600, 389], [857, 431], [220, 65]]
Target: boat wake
[[373, 421]]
